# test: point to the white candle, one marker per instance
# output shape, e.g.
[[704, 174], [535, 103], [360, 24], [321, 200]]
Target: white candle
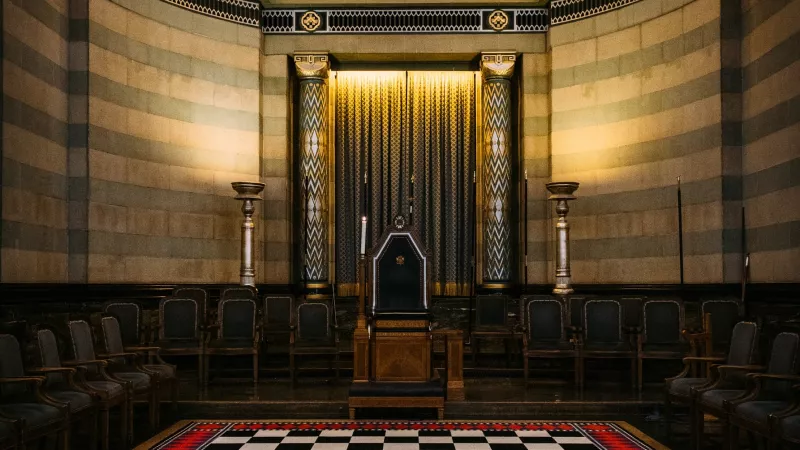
[[363, 233]]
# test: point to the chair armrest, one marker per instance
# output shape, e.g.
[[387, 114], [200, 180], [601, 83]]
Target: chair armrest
[[46, 370], [773, 376], [137, 348], [88, 362], [748, 368], [30, 380], [689, 359], [719, 374]]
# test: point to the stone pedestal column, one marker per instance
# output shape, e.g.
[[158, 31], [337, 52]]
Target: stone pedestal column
[[560, 193], [248, 192], [497, 68], [312, 70]]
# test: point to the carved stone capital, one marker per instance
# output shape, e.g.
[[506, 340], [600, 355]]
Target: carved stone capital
[[497, 65], [312, 65]]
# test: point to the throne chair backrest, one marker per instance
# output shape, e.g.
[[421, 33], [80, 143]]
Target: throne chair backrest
[[544, 319], [603, 321], [663, 321], [237, 318], [179, 318], [129, 315]]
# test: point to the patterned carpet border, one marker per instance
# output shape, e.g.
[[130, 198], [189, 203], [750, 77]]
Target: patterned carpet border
[[300, 434]]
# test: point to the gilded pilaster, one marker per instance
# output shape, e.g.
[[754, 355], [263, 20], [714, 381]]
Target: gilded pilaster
[[497, 68], [312, 70]]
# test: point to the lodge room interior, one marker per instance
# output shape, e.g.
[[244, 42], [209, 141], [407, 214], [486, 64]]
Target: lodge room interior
[[400, 225]]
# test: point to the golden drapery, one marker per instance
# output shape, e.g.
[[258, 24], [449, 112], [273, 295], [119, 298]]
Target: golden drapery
[[395, 126]]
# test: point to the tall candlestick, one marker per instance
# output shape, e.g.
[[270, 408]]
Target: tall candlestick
[[363, 234]]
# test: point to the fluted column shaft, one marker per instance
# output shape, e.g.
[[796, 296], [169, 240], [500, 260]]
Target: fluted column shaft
[[312, 70], [497, 70]]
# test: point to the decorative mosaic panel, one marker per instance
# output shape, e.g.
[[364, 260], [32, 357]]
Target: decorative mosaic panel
[[365, 21]]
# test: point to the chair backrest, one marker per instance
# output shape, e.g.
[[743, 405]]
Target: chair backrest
[[278, 311], [663, 321], [238, 292], [743, 344], [602, 321], [782, 361], [314, 322], [725, 314], [179, 318], [11, 365], [82, 341], [129, 315], [48, 353], [237, 318], [491, 311], [112, 337], [200, 295], [544, 319]]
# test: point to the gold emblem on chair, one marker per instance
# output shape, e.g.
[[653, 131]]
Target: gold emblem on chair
[[400, 260], [310, 21], [498, 20]]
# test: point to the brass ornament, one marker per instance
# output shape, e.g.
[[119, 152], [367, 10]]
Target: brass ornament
[[312, 65], [310, 21], [400, 260], [498, 20], [497, 65]]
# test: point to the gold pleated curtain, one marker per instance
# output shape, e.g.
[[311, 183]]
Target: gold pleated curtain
[[396, 125]]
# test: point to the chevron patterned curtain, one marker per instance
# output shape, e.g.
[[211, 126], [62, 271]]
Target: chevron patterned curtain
[[396, 125]]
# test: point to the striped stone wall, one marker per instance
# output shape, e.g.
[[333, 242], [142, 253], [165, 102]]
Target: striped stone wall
[[636, 97], [535, 147], [35, 240], [276, 111], [173, 119], [771, 134]]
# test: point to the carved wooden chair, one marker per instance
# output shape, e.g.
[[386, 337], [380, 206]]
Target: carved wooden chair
[[276, 321], [662, 334], [546, 333], [130, 316], [107, 391], [23, 401], [491, 322], [725, 314], [165, 373], [237, 332], [181, 328], [770, 393], [65, 386], [313, 333], [678, 389], [115, 368], [604, 336], [785, 425]]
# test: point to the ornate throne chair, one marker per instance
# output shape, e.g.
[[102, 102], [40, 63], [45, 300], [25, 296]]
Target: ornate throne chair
[[400, 338]]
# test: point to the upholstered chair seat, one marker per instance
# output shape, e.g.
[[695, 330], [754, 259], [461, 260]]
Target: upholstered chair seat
[[35, 415], [163, 370], [138, 380], [759, 411], [790, 426], [181, 344], [231, 343], [106, 389], [77, 401], [683, 386], [717, 397]]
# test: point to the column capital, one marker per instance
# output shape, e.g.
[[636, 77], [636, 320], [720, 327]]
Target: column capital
[[498, 64], [312, 64]]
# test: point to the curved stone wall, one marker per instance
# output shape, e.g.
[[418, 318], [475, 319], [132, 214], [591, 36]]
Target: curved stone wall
[[771, 132], [173, 119], [35, 239]]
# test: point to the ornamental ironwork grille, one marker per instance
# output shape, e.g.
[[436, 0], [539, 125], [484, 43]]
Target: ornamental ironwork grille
[[245, 12], [563, 11], [365, 21]]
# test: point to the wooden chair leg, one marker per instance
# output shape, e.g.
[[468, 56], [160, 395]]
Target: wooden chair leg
[[200, 367], [255, 368], [639, 373], [104, 430], [337, 362], [733, 436], [175, 388], [129, 418], [292, 370], [352, 412], [634, 378], [696, 425], [64, 436], [93, 430], [475, 351], [440, 413], [525, 368]]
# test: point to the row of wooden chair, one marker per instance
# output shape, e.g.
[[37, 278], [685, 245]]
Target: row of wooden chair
[[240, 325], [635, 329], [101, 375], [763, 401]]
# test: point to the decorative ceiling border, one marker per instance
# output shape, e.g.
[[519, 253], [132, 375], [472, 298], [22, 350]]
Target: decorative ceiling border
[[405, 20], [564, 11], [245, 12], [400, 20]]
